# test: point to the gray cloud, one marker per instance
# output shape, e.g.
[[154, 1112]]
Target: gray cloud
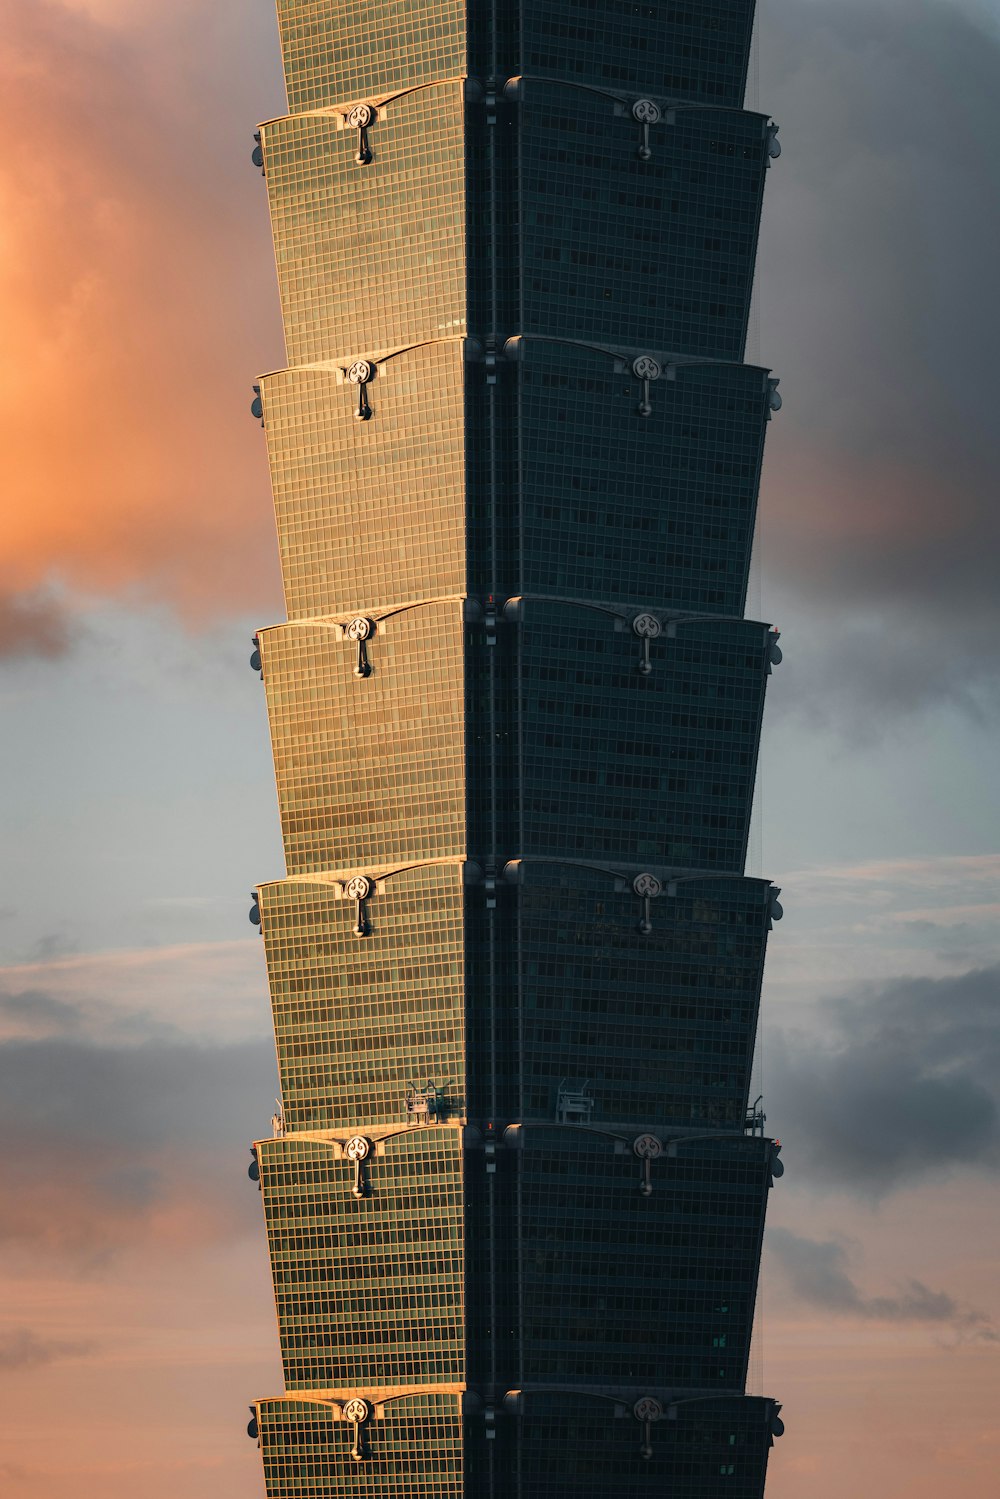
[[816, 1271], [21, 1349], [33, 624], [878, 252], [904, 1084], [52, 945], [39, 1012], [130, 1145], [152, 1095]]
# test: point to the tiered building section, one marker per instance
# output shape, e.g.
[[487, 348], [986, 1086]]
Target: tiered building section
[[516, 1192]]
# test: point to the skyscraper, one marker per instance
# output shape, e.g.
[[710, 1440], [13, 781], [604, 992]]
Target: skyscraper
[[515, 1195]]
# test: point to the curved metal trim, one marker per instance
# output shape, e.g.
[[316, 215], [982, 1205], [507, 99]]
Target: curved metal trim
[[344, 106], [339, 877], [627, 353], [669, 874], [339, 364], [339, 620], [626, 611], [511, 92]]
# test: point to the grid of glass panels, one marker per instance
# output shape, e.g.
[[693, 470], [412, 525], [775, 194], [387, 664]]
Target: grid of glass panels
[[370, 1291], [334, 52], [374, 512], [656, 253], [580, 1447], [369, 768], [379, 512], [358, 1019], [414, 1449], [660, 1026], [618, 763], [656, 510], [375, 767], [694, 51], [370, 257], [620, 1287]]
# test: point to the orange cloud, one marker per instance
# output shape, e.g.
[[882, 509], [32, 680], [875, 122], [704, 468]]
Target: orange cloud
[[66, 1208], [136, 292]]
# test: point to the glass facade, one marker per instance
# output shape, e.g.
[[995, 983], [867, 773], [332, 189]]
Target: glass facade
[[578, 1446], [334, 51], [371, 514], [615, 247], [515, 1194], [374, 260], [358, 1019]]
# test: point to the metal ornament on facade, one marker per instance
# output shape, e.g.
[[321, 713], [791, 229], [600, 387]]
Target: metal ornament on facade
[[357, 1150], [358, 1411], [647, 112], [360, 630], [647, 1410], [648, 628], [358, 889], [647, 887], [648, 1148], [359, 119], [360, 373], [646, 369]]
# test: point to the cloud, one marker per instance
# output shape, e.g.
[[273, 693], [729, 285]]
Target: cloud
[[37, 1013], [903, 1084], [952, 879], [816, 1272], [147, 1096], [33, 624], [136, 290], [877, 256], [21, 1349], [209, 993], [125, 1146]]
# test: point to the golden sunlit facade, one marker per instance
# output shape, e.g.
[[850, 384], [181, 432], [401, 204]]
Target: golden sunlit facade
[[515, 1195]]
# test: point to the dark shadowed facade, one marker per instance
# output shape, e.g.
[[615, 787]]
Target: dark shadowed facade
[[515, 1197]]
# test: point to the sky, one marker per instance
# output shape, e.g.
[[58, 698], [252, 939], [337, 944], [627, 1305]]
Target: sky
[[137, 804]]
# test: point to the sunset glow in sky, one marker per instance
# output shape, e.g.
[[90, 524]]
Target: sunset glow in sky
[[138, 303]]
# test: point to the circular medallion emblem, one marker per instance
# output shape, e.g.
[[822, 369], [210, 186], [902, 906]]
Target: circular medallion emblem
[[360, 372], [646, 367], [359, 888], [357, 1148], [646, 111], [646, 626], [646, 885], [647, 1147], [362, 116], [358, 629], [648, 1409], [357, 1410]]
